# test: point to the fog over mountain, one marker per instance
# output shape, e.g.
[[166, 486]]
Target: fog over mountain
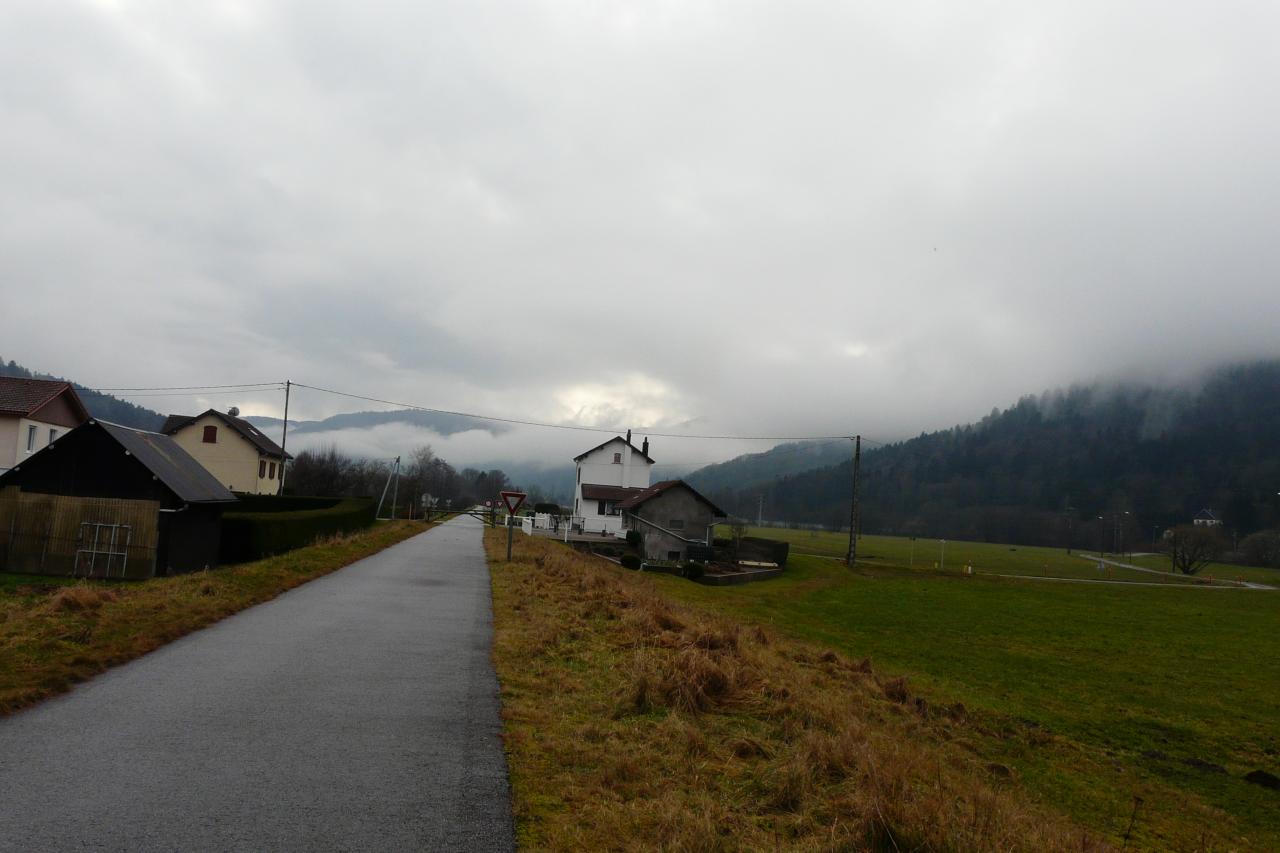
[[718, 218]]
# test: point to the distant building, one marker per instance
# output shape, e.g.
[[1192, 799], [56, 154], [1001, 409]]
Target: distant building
[[33, 414], [670, 516], [1206, 518], [232, 449], [607, 475]]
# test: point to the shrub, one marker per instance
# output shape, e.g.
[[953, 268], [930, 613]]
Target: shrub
[[630, 561], [281, 503], [253, 535], [694, 571], [634, 539]]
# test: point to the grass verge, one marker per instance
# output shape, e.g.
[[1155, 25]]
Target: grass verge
[[54, 634], [633, 722]]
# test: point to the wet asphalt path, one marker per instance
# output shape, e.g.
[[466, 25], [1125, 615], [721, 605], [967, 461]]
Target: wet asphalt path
[[356, 712]]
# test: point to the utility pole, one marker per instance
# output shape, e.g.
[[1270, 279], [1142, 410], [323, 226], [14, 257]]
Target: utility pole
[[760, 511], [284, 438], [853, 508], [395, 491]]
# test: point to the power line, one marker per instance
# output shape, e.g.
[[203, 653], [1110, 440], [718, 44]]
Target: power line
[[183, 393], [254, 387], [279, 385]]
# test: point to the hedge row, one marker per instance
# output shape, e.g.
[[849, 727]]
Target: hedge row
[[281, 503], [254, 535]]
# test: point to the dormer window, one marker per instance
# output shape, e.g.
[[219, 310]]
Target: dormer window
[[617, 459], [210, 434]]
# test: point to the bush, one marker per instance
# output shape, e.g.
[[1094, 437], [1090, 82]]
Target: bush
[[1262, 549], [253, 535], [281, 503], [630, 561], [694, 571], [634, 539]]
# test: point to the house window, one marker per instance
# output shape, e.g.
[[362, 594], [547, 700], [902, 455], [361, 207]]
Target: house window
[[53, 436], [262, 468], [271, 470], [617, 459], [600, 508], [211, 435], [676, 524], [673, 555], [579, 475], [31, 438]]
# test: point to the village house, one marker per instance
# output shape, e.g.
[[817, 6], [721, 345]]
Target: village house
[[1206, 518], [232, 449], [607, 475], [33, 414], [670, 516], [108, 498]]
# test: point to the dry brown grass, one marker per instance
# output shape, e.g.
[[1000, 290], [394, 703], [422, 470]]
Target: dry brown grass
[[635, 724], [52, 637]]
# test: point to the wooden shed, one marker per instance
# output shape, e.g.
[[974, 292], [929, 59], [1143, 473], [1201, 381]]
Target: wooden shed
[[108, 500]]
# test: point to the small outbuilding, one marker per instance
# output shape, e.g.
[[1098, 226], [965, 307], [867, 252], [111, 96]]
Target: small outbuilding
[[670, 516], [142, 499]]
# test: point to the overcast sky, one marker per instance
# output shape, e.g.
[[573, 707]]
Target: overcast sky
[[763, 218]]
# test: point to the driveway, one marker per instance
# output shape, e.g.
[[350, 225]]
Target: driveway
[[357, 712]]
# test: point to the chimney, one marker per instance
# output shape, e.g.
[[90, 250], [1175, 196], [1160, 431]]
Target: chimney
[[644, 448], [628, 436]]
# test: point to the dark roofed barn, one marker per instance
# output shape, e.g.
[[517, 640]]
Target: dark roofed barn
[[103, 460]]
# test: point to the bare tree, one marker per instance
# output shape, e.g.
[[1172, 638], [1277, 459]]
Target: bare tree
[[1191, 548]]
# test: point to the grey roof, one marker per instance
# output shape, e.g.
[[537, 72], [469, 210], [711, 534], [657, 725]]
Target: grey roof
[[171, 465], [251, 433], [656, 489]]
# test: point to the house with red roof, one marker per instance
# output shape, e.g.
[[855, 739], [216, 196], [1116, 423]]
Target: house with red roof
[[34, 413]]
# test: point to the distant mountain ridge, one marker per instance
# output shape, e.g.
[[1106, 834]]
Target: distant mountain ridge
[[1045, 469], [441, 424], [753, 469]]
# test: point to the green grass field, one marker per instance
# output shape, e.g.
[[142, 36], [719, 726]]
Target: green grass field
[[1121, 685]]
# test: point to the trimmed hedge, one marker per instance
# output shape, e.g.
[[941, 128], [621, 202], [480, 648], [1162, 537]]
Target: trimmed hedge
[[694, 571], [630, 561], [281, 503], [254, 535]]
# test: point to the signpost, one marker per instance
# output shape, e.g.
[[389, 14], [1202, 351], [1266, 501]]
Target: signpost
[[513, 500]]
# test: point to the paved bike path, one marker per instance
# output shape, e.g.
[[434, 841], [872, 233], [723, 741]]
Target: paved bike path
[[357, 712]]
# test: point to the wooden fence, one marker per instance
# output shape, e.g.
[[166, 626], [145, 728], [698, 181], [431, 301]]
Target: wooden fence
[[80, 537]]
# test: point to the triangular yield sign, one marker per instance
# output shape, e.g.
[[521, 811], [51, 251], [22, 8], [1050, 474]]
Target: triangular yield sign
[[513, 500]]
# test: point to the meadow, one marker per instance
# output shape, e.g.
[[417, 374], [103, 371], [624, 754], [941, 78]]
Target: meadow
[[1159, 697]]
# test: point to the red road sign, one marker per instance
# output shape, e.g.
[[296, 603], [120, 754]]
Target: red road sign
[[513, 500]]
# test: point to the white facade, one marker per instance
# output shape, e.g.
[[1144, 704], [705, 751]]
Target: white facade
[[21, 438], [615, 463]]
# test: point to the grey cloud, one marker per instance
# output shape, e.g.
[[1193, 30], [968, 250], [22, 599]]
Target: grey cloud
[[765, 218]]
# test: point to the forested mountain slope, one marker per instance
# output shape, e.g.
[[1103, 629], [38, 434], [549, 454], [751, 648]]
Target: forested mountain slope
[[1047, 467]]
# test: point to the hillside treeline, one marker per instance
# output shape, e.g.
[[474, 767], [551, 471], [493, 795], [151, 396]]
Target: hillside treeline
[[100, 405], [1044, 470]]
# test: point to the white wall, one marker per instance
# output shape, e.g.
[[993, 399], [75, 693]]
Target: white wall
[[599, 468], [13, 439]]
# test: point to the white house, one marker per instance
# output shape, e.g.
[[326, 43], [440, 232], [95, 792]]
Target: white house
[[33, 413], [607, 475]]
